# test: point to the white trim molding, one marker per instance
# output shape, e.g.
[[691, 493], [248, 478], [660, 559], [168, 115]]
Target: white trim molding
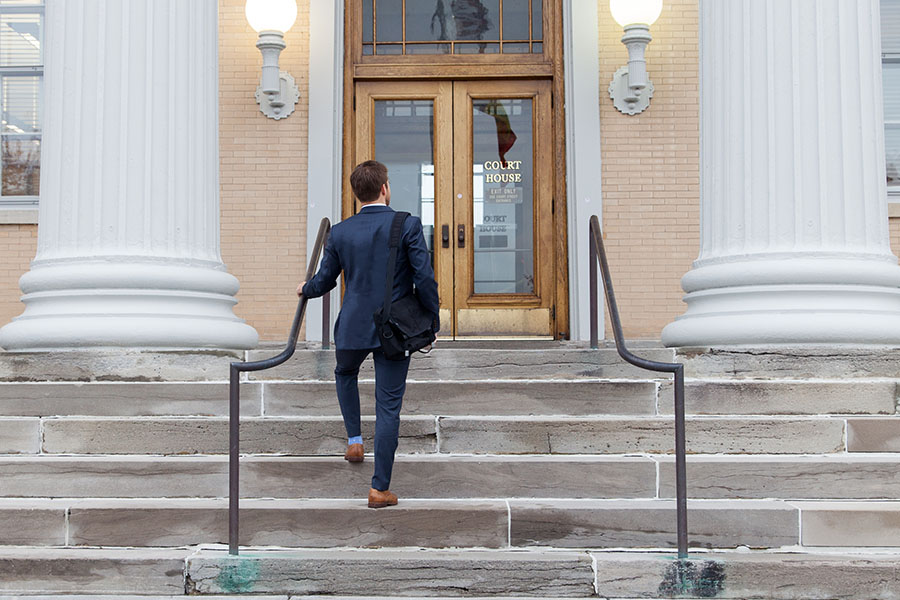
[[583, 186], [326, 91]]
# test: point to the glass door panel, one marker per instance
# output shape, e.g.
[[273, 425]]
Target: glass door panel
[[404, 142], [407, 126], [503, 187], [503, 175], [473, 161]]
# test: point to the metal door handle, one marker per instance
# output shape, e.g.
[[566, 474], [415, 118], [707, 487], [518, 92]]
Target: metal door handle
[[461, 236], [445, 236]]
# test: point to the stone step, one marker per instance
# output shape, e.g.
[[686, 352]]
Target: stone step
[[880, 434], [426, 434], [839, 477], [837, 524], [591, 435], [202, 435], [318, 398], [247, 597], [497, 397], [467, 364], [417, 476], [92, 571], [393, 572], [790, 363], [748, 576], [328, 523], [489, 397], [130, 574], [549, 574], [180, 597], [117, 365], [783, 397], [842, 476]]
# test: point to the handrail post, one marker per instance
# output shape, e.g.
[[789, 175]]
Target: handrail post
[[595, 342], [326, 321], [680, 465], [234, 393], [598, 254], [234, 457]]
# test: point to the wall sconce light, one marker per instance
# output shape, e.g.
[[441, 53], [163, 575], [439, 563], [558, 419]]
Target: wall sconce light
[[630, 89], [277, 93]]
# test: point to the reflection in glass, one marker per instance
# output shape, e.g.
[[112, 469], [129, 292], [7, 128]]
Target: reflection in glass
[[515, 48], [891, 84], [503, 185], [515, 20], [404, 142], [478, 22], [20, 99], [367, 20], [890, 25], [537, 20], [892, 152], [477, 48], [20, 39], [388, 21], [428, 49], [21, 166]]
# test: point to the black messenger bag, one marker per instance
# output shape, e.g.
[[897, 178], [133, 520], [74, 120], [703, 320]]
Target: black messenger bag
[[403, 326]]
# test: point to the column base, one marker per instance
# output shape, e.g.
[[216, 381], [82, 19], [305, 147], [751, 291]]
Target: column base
[[114, 303], [808, 301]]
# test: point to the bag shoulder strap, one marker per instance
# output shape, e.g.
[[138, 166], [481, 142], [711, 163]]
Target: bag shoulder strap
[[394, 245]]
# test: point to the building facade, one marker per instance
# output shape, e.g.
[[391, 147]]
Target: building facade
[[499, 132]]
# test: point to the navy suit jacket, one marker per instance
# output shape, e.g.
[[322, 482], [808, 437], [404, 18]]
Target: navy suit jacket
[[358, 246]]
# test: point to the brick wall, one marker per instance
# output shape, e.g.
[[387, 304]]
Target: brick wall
[[262, 173], [651, 171], [18, 244]]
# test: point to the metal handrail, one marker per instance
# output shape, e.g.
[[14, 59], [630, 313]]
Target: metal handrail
[[598, 252], [235, 390]]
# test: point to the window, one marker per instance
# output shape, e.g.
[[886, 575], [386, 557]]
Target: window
[[21, 83], [452, 27], [890, 63]]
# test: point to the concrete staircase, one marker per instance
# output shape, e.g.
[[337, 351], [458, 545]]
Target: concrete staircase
[[541, 471]]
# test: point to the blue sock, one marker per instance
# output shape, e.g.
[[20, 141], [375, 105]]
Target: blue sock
[[357, 439]]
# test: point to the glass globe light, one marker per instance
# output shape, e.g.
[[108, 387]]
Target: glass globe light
[[630, 12], [271, 15]]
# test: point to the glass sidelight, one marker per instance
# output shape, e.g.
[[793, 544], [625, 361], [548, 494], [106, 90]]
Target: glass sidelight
[[473, 160]]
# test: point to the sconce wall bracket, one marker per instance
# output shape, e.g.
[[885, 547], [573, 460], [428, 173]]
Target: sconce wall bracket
[[625, 99], [280, 105]]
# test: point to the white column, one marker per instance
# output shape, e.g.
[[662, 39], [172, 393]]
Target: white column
[[794, 226], [128, 236]]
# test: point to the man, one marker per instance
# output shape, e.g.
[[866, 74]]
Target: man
[[358, 246]]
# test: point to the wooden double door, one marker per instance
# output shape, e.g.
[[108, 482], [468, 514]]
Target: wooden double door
[[473, 160]]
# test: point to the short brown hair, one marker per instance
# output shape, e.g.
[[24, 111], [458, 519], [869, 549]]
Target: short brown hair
[[366, 180]]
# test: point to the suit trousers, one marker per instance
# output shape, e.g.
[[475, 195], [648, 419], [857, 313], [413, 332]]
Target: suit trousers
[[390, 385]]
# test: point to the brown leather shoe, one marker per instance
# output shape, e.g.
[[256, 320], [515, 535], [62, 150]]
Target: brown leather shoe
[[354, 453], [379, 499]]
